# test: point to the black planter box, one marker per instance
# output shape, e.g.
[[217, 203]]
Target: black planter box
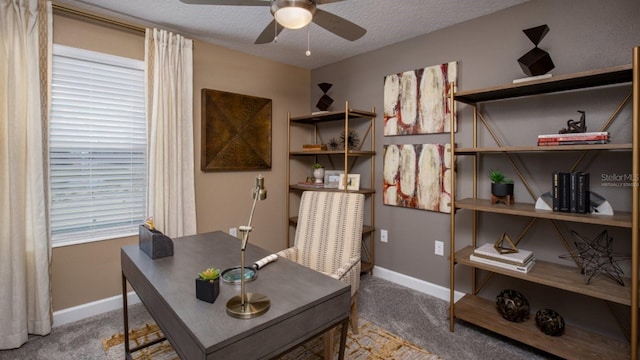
[[154, 243], [207, 290]]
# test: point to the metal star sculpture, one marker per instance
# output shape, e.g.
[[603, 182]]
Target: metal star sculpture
[[597, 257]]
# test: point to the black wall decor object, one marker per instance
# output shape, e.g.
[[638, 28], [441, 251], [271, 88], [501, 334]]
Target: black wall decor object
[[325, 101], [536, 61]]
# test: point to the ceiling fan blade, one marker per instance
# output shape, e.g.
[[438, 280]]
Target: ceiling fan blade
[[322, 2], [228, 2], [269, 33], [339, 26]]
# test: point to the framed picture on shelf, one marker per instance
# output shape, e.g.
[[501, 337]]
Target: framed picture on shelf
[[332, 178], [353, 182]]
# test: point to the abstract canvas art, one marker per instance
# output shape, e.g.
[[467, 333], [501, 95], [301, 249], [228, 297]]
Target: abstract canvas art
[[417, 176], [236, 132], [418, 101]]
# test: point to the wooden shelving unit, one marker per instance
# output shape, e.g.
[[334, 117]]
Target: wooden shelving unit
[[344, 160], [575, 343]]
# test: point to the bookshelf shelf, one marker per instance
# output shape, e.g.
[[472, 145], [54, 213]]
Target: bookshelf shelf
[[619, 219], [573, 344], [528, 149], [332, 152], [563, 277]]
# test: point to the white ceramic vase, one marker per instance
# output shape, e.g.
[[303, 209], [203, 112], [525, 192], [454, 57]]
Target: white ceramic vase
[[318, 174]]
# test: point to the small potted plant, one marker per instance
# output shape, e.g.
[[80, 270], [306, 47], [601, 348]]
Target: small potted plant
[[500, 185], [318, 173], [208, 285]]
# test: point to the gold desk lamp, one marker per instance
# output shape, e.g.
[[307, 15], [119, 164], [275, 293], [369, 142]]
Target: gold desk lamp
[[249, 305]]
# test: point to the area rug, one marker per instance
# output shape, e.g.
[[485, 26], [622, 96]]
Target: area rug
[[372, 343]]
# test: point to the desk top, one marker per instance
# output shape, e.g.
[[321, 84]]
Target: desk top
[[303, 302]]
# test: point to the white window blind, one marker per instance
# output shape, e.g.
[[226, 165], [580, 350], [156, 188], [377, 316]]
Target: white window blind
[[97, 146]]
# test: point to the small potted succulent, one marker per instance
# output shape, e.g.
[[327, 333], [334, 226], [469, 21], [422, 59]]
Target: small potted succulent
[[208, 285], [318, 173], [500, 185]]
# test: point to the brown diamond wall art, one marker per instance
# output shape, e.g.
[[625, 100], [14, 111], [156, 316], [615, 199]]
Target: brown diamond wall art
[[236, 132]]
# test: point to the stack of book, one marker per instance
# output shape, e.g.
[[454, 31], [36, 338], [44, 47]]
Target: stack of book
[[521, 261], [597, 137], [311, 184], [570, 192], [314, 147]]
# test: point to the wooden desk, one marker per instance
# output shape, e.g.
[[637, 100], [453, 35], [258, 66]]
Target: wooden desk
[[304, 303]]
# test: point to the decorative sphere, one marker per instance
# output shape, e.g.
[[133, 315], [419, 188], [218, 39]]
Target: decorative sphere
[[550, 322], [513, 306]]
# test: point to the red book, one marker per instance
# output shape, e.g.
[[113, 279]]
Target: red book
[[571, 135], [574, 138]]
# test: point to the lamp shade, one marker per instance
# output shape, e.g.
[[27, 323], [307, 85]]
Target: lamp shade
[[293, 14]]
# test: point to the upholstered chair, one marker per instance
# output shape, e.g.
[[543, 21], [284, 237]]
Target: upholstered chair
[[328, 239]]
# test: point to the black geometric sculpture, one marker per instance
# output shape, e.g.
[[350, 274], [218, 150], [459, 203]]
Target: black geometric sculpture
[[325, 101], [536, 61], [596, 257]]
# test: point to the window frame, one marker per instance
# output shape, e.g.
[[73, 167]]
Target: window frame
[[114, 232]]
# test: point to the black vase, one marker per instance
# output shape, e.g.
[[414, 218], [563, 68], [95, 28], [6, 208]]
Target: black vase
[[501, 190], [207, 290]]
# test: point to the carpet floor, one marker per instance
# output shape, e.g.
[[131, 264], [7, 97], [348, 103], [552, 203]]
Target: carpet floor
[[418, 318]]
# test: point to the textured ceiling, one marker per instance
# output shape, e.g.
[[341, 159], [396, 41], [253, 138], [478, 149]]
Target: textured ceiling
[[236, 27]]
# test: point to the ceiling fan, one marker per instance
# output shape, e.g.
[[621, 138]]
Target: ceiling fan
[[294, 14]]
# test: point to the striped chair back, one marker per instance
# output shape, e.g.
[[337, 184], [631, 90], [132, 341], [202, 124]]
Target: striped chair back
[[329, 231]]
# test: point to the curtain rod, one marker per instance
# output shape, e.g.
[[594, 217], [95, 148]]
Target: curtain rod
[[81, 13]]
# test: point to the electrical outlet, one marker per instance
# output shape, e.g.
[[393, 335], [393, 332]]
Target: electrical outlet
[[439, 250], [384, 236], [233, 232]]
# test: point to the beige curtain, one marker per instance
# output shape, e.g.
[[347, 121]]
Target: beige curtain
[[171, 193], [25, 299]]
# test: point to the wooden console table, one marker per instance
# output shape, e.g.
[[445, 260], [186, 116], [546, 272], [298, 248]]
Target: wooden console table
[[304, 303]]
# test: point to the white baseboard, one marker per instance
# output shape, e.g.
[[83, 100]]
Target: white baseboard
[[69, 315], [428, 288]]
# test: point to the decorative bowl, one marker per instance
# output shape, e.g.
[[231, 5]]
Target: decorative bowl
[[513, 306]]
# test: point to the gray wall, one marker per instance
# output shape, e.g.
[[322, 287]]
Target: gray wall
[[584, 35]]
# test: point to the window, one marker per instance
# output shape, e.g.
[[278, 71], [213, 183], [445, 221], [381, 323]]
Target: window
[[97, 146]]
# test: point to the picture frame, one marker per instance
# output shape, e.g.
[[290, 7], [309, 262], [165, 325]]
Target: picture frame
[[332, 178], [236, 132], [353, 182]]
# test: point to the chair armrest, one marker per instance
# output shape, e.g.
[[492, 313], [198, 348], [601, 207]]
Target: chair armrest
[[346, 269], [349, 273], [290, 253]]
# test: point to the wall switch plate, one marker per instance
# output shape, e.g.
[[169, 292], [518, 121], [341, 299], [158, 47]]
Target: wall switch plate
[[439, 248], [384, 236], [233, 232]]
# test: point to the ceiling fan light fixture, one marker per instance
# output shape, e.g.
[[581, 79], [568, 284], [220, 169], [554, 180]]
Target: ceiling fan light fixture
[[293, 14]]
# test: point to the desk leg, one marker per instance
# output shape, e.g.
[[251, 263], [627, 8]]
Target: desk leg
[[125, 312], [343, 338]]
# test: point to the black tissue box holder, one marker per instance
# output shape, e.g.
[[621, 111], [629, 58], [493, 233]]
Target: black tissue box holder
[[154, 243]]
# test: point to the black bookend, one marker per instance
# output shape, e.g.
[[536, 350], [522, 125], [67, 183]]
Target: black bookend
[[154, 243]]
